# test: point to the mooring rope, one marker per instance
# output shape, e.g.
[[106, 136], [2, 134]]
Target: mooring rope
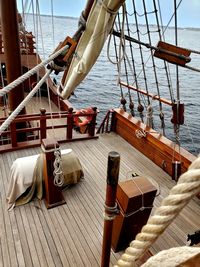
[[28, 74], [14, 114], [186, 188]]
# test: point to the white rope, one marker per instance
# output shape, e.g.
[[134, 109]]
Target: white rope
[[149, 116], [140, 133], [14, 114], [28, 74], [58, 172], [187, 187]]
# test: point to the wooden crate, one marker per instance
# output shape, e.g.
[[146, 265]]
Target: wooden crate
[[132, 196]]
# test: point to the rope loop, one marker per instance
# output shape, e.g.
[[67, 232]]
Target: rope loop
[[140, 133], [58, 173], [110, 212], [110, 11]]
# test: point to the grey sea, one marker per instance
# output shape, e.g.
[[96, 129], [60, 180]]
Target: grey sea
[[100, 87]]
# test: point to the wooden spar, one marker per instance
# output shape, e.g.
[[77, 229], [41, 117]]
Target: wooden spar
[[78, 33], [9, 25], [87, 9], [110, 205], [163, 100]]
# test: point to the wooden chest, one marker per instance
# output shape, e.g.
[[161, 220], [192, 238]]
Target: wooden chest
[[135, 199]]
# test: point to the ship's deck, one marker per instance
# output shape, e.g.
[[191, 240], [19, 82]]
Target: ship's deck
[[71, 234]]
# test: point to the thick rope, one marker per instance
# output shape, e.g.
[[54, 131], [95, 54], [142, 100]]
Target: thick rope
[[28, 74], [149, 116], [187, 187], [58, 172], [14, 114]]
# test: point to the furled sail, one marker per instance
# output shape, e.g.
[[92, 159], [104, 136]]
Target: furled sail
[[99, 24]]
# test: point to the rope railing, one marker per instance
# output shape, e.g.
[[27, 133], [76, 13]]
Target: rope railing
[[14, 114], [186, 188], [28, 74]]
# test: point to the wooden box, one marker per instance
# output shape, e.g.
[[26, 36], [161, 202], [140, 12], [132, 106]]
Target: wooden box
[[132, 196]]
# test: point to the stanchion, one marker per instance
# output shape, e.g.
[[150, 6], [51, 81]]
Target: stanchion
[[110, 205], [53, 193]]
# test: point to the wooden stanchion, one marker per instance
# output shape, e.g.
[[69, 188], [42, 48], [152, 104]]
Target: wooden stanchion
[[53, 193], [110, 205]]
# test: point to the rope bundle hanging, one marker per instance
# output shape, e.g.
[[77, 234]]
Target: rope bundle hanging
[[58, 173]]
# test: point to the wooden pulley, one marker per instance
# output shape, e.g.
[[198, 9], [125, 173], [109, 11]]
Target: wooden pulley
[[176, 170], [63, 59], [173, 54], [178, 114]]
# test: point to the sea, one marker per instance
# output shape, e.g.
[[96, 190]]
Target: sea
[[100, 88]]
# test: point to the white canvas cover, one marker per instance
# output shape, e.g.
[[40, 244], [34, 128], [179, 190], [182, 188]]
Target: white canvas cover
[[98, 26]]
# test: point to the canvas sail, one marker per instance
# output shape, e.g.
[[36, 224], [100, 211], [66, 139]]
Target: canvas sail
[[99, 24]]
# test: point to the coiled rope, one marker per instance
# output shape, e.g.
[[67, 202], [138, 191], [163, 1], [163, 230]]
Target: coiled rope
[[58, 172], [186, 188]]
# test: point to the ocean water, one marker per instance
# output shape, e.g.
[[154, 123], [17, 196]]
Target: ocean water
[[100, 87]]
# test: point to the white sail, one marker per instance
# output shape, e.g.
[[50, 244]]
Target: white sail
[[99, 24]]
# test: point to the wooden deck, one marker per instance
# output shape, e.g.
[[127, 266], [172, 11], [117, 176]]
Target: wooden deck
[[71, 235]]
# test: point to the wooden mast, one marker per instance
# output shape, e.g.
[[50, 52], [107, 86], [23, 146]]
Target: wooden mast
[[10, 33]]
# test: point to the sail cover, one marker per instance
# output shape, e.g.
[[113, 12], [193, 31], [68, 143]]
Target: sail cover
[[98, 26]]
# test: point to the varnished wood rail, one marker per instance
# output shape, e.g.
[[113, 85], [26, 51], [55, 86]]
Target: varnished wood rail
[[154, 145], [42, 118]]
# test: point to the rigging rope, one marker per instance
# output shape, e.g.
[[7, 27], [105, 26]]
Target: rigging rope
[[141, 54], [26, 75], [117, 62], [14, 114], [187, 187], [166, 64]]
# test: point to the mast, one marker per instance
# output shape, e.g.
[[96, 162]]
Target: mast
[[10, 33]]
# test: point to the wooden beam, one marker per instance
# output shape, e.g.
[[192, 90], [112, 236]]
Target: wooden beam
[[163, 100]]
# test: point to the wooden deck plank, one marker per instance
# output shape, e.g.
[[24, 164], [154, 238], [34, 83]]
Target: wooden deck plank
[[71, 235]]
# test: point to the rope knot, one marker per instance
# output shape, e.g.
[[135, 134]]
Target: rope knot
[[140, 133]]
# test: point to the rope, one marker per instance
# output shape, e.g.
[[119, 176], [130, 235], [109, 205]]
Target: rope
[[149, 116], [187, 187], [58, 173], [14, 114], [140, 133], [28, 74], [141, 53]]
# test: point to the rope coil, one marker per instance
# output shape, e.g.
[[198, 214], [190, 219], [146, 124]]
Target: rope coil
[[140, 133], [110, 212], [58, 172]]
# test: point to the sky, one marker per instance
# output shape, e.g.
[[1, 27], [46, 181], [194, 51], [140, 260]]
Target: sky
[[188, 16]]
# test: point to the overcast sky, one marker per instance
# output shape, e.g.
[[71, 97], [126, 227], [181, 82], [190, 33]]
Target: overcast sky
[[188, 16]]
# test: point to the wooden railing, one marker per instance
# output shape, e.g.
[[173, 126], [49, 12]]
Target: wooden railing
[[39, 127], [26, 40], [108, 123], [153, 145]]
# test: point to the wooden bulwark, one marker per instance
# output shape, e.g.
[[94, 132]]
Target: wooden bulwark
[[71, 235], [155, 146]]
